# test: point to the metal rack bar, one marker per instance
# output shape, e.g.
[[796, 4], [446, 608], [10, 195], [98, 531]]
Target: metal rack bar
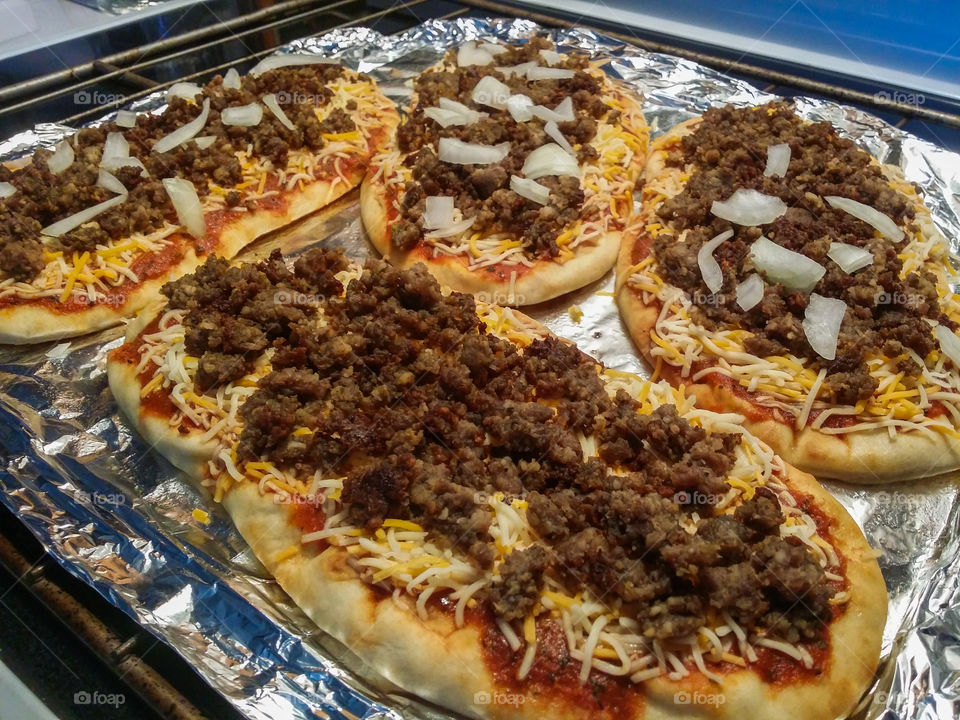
[[81, 71], [773, 76], [112, 70], [101, 109]]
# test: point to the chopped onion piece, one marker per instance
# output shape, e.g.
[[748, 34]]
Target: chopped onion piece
[[242, 115], [541, 73], [452, 230], [126, 118], [185, 201], [561, 113], [470, 54], [550, 159], [530, 189], [821, 324], [185, 90], [111, 182], [116, 163], [273, 106], [62, 157], [519, 107], [184, 132], [551, 57], [438, 212], [709, 267], [452, 112], [6, 190], [492, 48], [750, 292], [115, 148], [780, 265], [459, 152], [77, 219], [231, 79], [521, 69], [205, 141], [778, 160], [949, 343], [850, 258], [281, 61], [553, 131], [882, 223], [749, 207], [491, 92]]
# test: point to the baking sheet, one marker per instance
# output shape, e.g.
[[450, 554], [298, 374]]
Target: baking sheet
[[119, 517]]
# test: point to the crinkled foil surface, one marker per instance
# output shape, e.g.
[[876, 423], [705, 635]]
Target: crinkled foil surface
[[119, 517]]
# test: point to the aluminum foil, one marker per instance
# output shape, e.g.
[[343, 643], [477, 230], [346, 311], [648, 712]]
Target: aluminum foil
[[119, 517]]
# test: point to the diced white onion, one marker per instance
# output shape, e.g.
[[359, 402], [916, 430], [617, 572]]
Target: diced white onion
[[231, 79], [520, 69], [77, 219], [470, 54], [553, 130], [115, 147], [456, 151], [882, 223], [62, 157], [184, 132], [749, 207], [491, 92], [850, 258], [780, 265], [273, 106], [530, 189], [111, 182], [778, 160], [750, 292], [242, 115], [205, 141], [550, 159], [492, 48], [541, 73], [452, 230], [519, 107], [551, 57], [186, 202], [6, 190], [185, 90], [438, 212], [949, 343], [452, 112], [126, 118], [709, 267], [561, 113], [281, 61], [821, 324]]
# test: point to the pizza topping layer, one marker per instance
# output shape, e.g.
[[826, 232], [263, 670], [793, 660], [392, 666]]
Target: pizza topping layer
[[838, 238], [567, 131], [234, 165], [498, 472]]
